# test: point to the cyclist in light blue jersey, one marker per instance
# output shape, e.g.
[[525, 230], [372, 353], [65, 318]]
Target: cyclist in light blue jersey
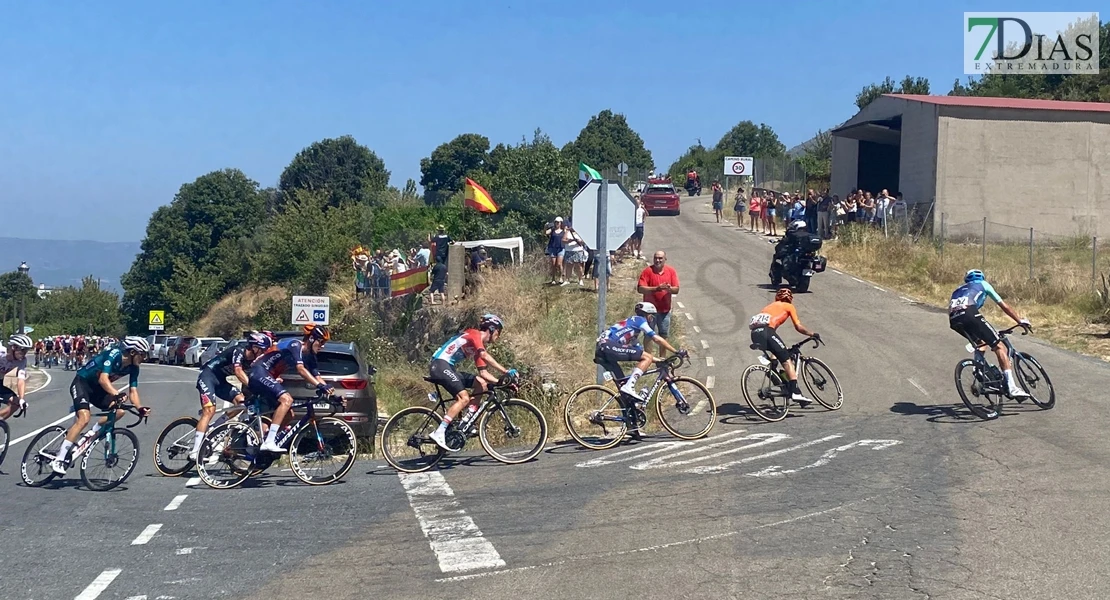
[[965, 319], [620, 343]]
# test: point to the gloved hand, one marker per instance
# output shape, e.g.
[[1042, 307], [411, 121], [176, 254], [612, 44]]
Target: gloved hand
[[144, 411], [1025, 323], [22, 404], [817, 336], [512, 373], [323, 388]]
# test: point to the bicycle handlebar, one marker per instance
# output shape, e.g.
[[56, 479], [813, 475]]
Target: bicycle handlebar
[[140, 413], [1026, 329], [817, 342]]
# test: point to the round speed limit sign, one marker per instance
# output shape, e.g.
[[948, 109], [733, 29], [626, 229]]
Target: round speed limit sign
[[738, 168]]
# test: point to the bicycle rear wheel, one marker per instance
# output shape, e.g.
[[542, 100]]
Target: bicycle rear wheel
[[686, 408], [1034, 379], [406, 442], [983, 404], [513, 433], [226, 456], [594, 417], [110, 460], [821, 383], [323, 451], [171, 451], [35, 468], [5, 433], [767, 394]]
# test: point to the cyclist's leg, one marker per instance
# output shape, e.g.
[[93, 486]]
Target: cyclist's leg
[[769, 340], [456, 384], [206, 386], [615, 353], [273, 390], [7, 404]]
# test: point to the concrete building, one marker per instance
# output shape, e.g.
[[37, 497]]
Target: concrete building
[[1024, 163]]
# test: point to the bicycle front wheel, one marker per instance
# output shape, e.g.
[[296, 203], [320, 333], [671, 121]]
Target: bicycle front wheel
[[821, 383], [513, 432], [406, 440], [226, 456], [594, 417], [109, 460], [686, 408], [35, 468], [171, 451], [323, 451], [1034, 379], [974, 391], [765, 392]]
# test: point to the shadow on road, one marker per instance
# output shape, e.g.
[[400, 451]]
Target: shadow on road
[[937, 413]]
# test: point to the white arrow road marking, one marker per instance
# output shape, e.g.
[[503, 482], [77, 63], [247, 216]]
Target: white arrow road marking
[[637, 452], [725, 466], [666, 461], [774, 471]]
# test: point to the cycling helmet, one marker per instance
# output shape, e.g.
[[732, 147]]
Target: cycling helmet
[[974, 275], [317, 332], [784, 295], [796, 225], [136, 344], [259, 340], [20, 341], [646, 308], [489, 321]]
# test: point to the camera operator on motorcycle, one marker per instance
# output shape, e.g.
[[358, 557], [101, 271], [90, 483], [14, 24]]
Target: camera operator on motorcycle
[[795, 241]]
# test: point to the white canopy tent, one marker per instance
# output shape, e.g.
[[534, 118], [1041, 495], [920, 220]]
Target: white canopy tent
[[510, 244]]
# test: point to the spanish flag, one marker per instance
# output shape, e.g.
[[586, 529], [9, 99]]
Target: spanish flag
[[408, 282], [478, 198]]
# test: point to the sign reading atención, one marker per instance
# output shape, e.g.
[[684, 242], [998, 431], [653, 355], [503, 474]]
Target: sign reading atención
[[311, 309]]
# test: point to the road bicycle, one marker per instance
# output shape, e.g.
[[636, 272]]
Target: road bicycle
[[987, 384], [230, 452], [771, 396], [598, 417], [171, 450], [107, 457], [5, 431], [510, 430]]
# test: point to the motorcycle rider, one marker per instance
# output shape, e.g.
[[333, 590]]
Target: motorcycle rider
[[795, 240]]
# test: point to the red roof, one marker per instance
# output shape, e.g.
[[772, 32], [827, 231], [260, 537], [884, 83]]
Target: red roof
[[1025, 103]]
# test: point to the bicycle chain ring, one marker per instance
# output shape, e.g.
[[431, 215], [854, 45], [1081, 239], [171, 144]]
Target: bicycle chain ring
[[454, 438], [639, 418]]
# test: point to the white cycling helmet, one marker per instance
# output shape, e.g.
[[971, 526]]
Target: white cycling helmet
[[136, 343], [21, 341], [646, 307], [796, 225]]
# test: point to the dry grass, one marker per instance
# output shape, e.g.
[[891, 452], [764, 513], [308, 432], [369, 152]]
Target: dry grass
[[1059, 299], [234, 312]]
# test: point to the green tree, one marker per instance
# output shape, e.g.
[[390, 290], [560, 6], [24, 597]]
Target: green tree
[[190, 291], [409, 192], [444, 172], [76, 310], [748, 139], [606, 141], [346, 170], [909, 85], [534, 179], [817, 159], [15, 285], [308, 241]]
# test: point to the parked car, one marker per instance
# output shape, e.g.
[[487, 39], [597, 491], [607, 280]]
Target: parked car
[[341, 366], [660, 197], [156, 342], [178, 357], [167, 349], [211, 350], [196, 349]]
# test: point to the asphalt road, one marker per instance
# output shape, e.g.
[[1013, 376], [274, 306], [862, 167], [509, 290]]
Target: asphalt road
[[900, 494]]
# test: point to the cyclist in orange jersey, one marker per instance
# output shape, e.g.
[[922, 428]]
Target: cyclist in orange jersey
[[763, 326]]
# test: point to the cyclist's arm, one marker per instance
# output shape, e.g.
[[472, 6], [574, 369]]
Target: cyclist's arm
[[307, 375], [1006, 308], [241, 375], [106, 383], [133, 387], [793, 312], [490, 362]]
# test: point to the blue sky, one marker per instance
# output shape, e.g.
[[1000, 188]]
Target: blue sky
[[107, 108]]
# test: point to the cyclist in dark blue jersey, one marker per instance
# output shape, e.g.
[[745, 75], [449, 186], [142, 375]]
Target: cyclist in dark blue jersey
[[212, 382], [965, 319], [621, 343], [266, 370], [92, 386]]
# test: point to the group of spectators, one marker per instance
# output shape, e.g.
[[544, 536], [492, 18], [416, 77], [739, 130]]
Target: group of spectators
[[373, 270], [823, 212]]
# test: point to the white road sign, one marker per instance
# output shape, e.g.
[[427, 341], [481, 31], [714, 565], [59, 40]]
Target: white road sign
[[622, 169], [738, 165], [311, 309], [619, 218]]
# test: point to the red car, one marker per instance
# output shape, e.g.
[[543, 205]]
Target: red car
[[660, 197]]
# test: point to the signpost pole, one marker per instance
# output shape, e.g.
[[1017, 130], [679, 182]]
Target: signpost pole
[[601, 261]]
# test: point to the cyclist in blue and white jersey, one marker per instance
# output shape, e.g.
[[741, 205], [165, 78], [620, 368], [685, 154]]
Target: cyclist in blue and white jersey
[[266, 370], [212, 381], [965, 319], [92, 386], [16, 358], [621, 343]]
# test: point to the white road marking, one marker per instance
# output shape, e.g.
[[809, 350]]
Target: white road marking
[[835, 271], [709, 361], [639, 451], [773, 471], [688, 317], [665, 461], [858, 279], [697, 329], [147, 533], [704, 344], [454, 537], [725, 466], [878, 288], [657, 547], [709, 381], [143, 597], [43, 386], [39, 430], [918, 386], [183, 551], [99, 584], [192, 481], [176, 502], [681, 305]]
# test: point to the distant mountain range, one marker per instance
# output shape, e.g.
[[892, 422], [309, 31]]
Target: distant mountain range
[[58, 263]]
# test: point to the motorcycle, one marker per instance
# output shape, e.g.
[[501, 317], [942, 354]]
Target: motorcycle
[[693, 188], [798, 267]]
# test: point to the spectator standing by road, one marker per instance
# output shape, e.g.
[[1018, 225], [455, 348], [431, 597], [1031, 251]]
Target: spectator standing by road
[[555, 251], [824, 205], [574, 260], [440, 243], [739, 205], [755, 207], [658, 283], [812, 200], [718, 202], [638, 228], [423, 256]]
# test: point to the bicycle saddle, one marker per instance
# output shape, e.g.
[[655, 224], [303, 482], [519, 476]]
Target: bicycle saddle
[[754, 346], [429, 380]]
